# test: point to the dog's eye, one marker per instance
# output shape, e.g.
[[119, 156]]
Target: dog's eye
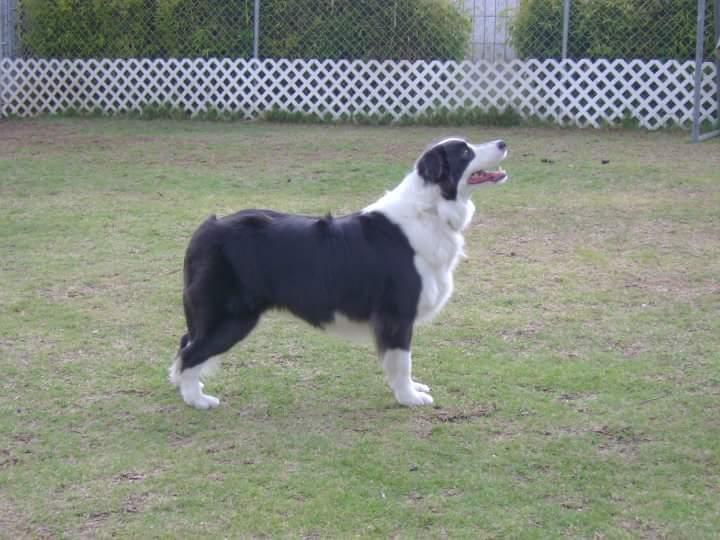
[[466, 153]]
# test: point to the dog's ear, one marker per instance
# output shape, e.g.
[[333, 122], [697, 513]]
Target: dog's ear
[[431, 166]]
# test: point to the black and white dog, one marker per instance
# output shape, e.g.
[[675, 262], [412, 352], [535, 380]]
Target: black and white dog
[[377, 272]]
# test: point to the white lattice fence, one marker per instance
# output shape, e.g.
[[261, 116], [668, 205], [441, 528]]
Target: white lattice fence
[[583, 93]]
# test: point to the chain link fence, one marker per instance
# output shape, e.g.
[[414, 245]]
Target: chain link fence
[[495, 30]]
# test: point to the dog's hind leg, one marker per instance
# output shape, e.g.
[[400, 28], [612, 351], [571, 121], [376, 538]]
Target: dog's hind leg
[[175, 367], [193, 358], [174, 372]]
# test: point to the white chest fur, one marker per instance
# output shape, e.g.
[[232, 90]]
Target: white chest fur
[[434, 230]]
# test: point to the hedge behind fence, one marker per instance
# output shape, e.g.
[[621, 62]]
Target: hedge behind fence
[[381, 29], [645, 29]]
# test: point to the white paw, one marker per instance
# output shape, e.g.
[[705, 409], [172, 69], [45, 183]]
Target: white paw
[[412, 398], [420, 387], [202, 401]]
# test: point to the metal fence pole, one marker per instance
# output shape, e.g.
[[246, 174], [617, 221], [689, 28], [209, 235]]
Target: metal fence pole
[[566, 27], [6, 25], [256, 29], [699, 34], [7, 43], [716, 43]]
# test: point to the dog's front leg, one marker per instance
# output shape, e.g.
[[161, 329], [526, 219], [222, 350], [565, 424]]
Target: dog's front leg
[[397, 364]]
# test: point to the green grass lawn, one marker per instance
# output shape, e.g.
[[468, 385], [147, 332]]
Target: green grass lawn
[[576, 371]]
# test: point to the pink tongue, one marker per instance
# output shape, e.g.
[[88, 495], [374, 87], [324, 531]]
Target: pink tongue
[[481, 177]]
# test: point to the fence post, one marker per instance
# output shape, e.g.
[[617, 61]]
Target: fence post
[[566, 27], [256, 28]]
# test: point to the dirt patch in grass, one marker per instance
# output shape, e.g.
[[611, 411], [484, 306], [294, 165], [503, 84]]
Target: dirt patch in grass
[[578, 401], [427, 419], [41, 138], [452, 415], [135, 503], [620, 442], [92, 523], [129, 477], [8, 459], [14, 524], [37, 137], [643, 529]]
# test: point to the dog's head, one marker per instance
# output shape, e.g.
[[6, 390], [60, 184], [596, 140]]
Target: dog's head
[[457, 167]]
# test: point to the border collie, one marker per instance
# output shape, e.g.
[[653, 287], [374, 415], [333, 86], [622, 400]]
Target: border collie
[[377, 272]]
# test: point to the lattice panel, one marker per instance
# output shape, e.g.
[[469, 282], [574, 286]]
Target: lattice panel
[[568, 92]]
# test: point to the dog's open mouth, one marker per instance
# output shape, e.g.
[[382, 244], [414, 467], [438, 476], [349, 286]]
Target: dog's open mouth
[[482, 177]]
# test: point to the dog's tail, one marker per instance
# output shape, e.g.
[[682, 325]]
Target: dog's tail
[[194, 263], [197, 248]]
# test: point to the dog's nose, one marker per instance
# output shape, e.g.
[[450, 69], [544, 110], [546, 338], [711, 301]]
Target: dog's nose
[[501, 145]]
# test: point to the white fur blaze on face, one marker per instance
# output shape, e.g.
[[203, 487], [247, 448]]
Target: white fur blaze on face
[[397, 364]]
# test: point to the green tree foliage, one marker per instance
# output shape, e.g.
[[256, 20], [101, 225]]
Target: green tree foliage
[[381, 29]]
